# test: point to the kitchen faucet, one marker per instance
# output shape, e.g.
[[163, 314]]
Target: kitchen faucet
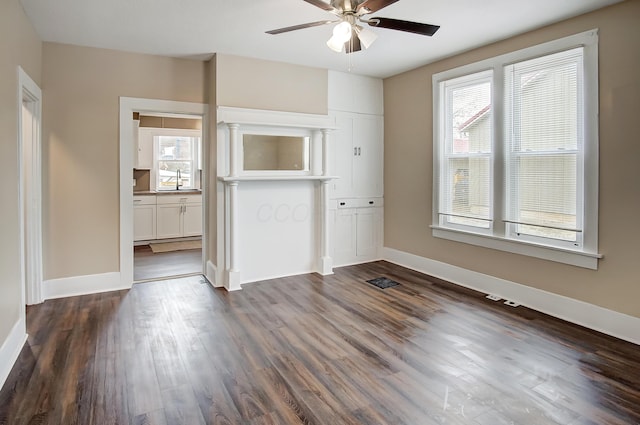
[[178, 178]]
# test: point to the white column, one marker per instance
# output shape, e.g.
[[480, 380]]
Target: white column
[[326, 262], [325, 151], [233, 149], [233, 274], [316, 153]]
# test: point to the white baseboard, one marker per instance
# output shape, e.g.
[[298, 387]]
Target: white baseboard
[[82, 285], [10, 349], [211, 274], [581, 313]]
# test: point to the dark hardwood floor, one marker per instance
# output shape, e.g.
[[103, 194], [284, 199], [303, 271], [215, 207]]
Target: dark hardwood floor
[[148, 265], [314, 350]]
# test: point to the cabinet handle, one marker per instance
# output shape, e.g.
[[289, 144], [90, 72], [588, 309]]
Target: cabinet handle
[[355, 151], [359, 151], [370, 202], [343, 203]]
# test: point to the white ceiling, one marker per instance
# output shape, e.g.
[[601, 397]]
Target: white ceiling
[[199, 28]]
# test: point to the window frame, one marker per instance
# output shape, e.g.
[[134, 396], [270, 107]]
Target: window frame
[[584, 256], [195, 155]]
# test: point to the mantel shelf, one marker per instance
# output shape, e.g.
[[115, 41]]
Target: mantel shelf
[[228, 179]]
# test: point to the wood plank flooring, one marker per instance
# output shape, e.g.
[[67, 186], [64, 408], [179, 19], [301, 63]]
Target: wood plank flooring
[[314, 350], [148, 265]]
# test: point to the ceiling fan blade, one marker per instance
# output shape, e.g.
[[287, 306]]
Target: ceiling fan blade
[[407, 26], [371, 6], [324, 6], [298, 27], [353, 45]]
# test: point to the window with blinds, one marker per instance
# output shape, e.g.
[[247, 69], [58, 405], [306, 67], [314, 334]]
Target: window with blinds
[[544, 140], [466, 158], [516, 151]]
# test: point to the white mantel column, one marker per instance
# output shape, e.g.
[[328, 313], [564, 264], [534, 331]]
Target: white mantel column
[[233, 149], [326, 262], [233, 273]]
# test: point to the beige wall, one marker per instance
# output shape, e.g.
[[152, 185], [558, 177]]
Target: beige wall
[[408, 170], [260, 84], [20, 46], [81, 88]]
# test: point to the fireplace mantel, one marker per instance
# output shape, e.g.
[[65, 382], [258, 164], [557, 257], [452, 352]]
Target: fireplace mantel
[[232, 124]]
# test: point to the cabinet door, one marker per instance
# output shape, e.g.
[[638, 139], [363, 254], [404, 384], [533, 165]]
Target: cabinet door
[[366, 232], [144, 222], [342, 155], [368, 137], [169, 219], [145, 149], [192, 220], [345, 236]]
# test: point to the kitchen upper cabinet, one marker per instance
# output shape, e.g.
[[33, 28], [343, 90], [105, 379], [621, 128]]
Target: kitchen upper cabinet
[[357, 156], [144, 218], [179, 216], [144, 156]]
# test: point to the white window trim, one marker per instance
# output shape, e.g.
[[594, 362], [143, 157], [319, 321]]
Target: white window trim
[[588, 255], [175, 132]]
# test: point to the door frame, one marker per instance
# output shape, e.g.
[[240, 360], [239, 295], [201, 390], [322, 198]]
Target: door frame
[[30, 192], [129, 105]]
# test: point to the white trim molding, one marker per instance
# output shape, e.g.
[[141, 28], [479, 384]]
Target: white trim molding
[[211, 274], [30, 205], [129, 105], [11, 348], [83, 285], [591, 316]]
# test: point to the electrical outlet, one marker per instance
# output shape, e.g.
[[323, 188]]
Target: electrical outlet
[[493, 297], [511, 303]]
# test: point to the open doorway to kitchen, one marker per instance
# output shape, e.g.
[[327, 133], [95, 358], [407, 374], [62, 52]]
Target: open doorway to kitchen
[[162, 189], [167, 195]]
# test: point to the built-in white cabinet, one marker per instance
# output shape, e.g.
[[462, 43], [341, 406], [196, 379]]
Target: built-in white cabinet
[[144, 152], [357, 159], [357, 231], [179, 216], [357, 156], [144, 218]]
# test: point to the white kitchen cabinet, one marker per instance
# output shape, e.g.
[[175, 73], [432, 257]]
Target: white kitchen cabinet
[[357, 231], [357, 155], [192, 220], [144, 218], [144, 156], [179, 216]]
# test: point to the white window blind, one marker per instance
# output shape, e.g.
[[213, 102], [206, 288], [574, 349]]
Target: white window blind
[[544, 148], [465, 174]]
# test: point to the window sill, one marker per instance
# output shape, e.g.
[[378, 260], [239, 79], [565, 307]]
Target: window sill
[[560, 255]]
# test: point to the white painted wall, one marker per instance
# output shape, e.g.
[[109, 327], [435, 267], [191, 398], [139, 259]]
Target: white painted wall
[[277, 234]]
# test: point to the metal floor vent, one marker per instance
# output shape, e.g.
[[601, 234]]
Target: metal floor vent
[[383, 282]]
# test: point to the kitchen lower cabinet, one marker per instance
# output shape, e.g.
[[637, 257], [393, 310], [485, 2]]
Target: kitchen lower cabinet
[[179, 216], [144, 218]]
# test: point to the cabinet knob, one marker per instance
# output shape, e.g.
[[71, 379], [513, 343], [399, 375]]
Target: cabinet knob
[[370, 202]]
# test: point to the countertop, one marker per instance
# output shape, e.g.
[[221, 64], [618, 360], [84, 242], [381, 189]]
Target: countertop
[[167, 192]]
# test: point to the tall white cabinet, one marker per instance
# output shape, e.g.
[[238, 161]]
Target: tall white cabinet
[[357, 159]]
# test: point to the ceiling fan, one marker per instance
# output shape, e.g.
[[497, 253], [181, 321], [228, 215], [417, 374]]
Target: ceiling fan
[[347, 34]]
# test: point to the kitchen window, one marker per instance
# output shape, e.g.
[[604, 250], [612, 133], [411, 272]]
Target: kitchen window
[[516, 152], [176, 161]]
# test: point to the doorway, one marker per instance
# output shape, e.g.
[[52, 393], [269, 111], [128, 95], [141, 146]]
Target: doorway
[[167, 196], [163, 203]]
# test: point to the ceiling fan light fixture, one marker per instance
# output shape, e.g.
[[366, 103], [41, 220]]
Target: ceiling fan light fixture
[[366, 36], [341, 34]]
